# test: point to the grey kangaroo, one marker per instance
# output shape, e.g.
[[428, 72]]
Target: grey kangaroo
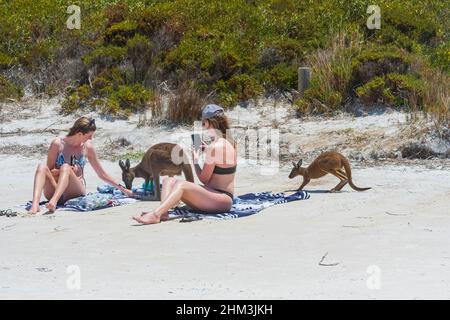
[[156, 162]]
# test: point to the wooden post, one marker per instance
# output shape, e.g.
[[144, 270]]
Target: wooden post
[[304, 74]]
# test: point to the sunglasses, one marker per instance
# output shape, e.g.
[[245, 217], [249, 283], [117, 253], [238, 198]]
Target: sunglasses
[[89, 126]]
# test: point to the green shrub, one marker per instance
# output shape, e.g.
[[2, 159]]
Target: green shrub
[[226, 63], [191, 56], [121, 102], [100, 85], [129, 99], [285, 50], [9, 90], [378, 61], [119, 33], [37, 55], [238, 48], [6, 61], [393, 89], [282, 77], [316, 100], [244, 86], [372, 91], [79, 99], [441, 57], [105, 57], [405, 82], [152, 19], [139, 52], [404, 17]]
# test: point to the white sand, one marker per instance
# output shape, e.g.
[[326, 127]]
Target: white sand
[[398, 231], [401, 227]]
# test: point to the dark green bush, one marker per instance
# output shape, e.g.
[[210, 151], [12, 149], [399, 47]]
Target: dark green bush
[[129, 98], [372, 91], [121, 101], [105, 57], [399, 90], [9, 90], [378, 61], [239, 88], [281, 77], [139, 52], [6, 61], [119, 33]]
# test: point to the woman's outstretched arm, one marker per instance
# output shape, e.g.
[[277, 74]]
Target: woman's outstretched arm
[[101, 173]]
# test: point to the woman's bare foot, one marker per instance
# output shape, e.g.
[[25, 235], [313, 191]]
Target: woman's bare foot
[[51, 206], [148, 218], [34, 209]]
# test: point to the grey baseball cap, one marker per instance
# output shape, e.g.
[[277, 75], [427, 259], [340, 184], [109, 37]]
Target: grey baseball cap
[[212, 110]]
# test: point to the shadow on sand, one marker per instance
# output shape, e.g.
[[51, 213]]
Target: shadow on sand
[[315, 191]]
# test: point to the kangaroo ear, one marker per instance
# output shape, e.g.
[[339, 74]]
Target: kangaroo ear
[[127, 163], [122, 165], [299, 163]]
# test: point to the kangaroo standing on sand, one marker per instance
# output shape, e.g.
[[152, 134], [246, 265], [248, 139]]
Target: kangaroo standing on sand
[[327, 162], [157, 161]]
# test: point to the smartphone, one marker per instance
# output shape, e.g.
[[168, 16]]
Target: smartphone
[[196, 141]]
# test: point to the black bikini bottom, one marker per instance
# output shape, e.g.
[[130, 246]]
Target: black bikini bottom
[[226, 192]]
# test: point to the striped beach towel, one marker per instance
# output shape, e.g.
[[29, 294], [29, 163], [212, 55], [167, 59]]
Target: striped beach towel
[[243, 206]]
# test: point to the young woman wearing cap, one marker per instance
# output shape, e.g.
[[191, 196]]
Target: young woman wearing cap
[[62, 177], [217, 174]]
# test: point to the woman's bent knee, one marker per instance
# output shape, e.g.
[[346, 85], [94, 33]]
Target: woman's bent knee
[[42, 167], [167, 180], [65, 167], [180, 184]]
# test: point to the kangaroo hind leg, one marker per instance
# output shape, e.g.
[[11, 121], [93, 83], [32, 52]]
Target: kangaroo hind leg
[[343, 180]]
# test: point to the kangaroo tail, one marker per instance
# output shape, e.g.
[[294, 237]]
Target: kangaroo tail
[[348, 172], [187, 170]]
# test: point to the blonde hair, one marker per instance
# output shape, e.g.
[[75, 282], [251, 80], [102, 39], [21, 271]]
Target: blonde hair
[[83, 125]]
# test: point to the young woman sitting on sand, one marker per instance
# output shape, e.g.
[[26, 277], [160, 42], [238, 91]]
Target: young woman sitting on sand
[[217, 175], [62, 178]]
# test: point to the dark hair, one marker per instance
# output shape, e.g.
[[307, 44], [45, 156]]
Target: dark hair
[[83, 125]]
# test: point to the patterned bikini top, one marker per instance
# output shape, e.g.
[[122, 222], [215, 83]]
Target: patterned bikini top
[[60, 159]]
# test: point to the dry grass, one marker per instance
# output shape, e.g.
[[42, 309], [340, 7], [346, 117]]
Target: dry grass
[[24, 150], [156, 106], [331, 71], [436, 95], [114, 149], [182, 105], [185, 105], [332, 66]]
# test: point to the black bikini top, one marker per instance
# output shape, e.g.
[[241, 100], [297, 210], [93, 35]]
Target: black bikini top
[[219, 170]]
